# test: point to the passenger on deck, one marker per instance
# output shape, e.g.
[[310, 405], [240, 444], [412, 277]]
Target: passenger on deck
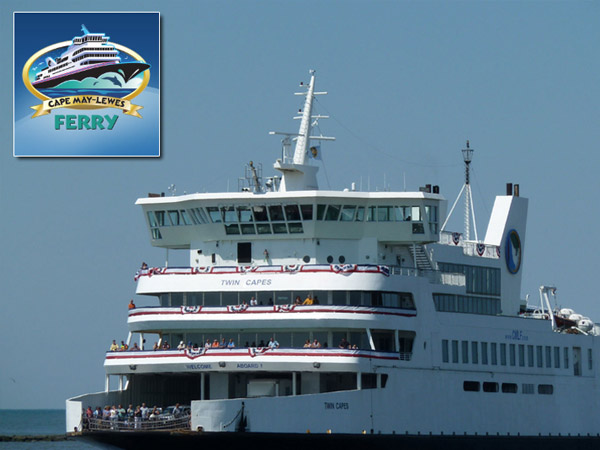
[[223, 344], [181, 346], [231, 344], [273, 343], [253, 301], [215, 344], [89, 413], [307, 343], [261, 343], [144, 409], [344, 343], [114, 347], [316, 300], [124, 347], [144, 266], [316, 344], [134, 348], [270, 301], [298, 300], [308, 301], [207, 344], [131, 304], [137, 418], [166, 346], [177, 410]]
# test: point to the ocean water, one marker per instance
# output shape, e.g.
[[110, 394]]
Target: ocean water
[[27, 422]]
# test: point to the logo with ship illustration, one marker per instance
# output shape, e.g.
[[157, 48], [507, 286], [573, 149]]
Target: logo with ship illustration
[[90, 85], [513, 251], [88, 73]]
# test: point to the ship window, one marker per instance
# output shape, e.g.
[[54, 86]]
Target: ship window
[[306, 259], [338, 297], [545, 389], [355, 298], [292, 212], [418, 228], [232, 229], [192, 214], [513, 361], [509, 388], [347, 213], [212, 299], [330, 259], [245, 214], [307, 212], [521, 355], [484, 353], [248, 228], [369, 380], [465, 352], [230, 298], [260, 214], [399, 213], [384, 213], [590, 361], [202, 215], [471, 386], [333, 212], [185, 217], [371, 213], [503, 354], [342, 259], [530, 355], [493, 354], [295, 227], [194, 298], [548, 356], [215, 215], [279, 228], [383, 340], [244, 250], [455, 352], [156, 233], [152, 219], [283, 298], [360, 214], [527, 388], [321, 211], [489, 386], [566, 354], [445, 355], [539, 356], [416, 213], [161, 219], [263, 228], [474, 353], [557, 357], [176, 299], [276, 213], [229, 214]]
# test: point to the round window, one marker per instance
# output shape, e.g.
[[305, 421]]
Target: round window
[[330, 259], [306, 259], [342, 259]]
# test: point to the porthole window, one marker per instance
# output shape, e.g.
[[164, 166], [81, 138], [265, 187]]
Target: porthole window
[[330, 259], [306, 259], [342, 259]]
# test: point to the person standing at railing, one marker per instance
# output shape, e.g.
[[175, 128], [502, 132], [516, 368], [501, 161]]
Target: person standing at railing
[[131, 304], [137, 418]]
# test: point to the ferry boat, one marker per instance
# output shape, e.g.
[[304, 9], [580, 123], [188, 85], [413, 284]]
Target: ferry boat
[[89, 55], [356, 319]]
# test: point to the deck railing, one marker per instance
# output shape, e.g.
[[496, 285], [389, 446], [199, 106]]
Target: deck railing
[[136, 424]]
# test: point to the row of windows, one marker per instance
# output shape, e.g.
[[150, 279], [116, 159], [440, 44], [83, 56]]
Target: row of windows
[[467, 304], [479, 280], [510, 354], [271, 219], [403, 300], [507, 388], [88, 55], [87, 49]]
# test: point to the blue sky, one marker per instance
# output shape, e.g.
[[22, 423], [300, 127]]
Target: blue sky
[[408, 83]]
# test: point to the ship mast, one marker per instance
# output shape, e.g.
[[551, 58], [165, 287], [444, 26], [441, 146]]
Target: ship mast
[[297, 174], [469, 208]]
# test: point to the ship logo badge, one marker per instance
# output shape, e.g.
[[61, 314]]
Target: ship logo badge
[[513, 251], [88, 72], [86, 84]]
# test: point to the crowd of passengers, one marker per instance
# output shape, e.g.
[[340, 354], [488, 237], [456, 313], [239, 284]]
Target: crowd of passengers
[[117, 415], [309, 300], [225, 344]]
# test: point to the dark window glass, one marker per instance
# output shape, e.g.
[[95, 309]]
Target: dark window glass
[[307, 212], [276, 213], [488, 386], [471, 386], [292, 212], [260, 213], [509, 388]]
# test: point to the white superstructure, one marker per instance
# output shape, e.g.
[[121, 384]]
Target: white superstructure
[[440, 341]]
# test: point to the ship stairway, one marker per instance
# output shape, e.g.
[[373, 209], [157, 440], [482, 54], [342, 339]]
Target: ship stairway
[[420, 257]]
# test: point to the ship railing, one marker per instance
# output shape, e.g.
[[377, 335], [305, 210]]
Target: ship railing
[[136, 424], [470, 248]]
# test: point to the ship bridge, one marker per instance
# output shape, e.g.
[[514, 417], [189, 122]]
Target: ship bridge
[[280, 227]]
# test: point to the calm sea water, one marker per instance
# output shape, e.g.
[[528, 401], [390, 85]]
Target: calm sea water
[[37, 421]]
